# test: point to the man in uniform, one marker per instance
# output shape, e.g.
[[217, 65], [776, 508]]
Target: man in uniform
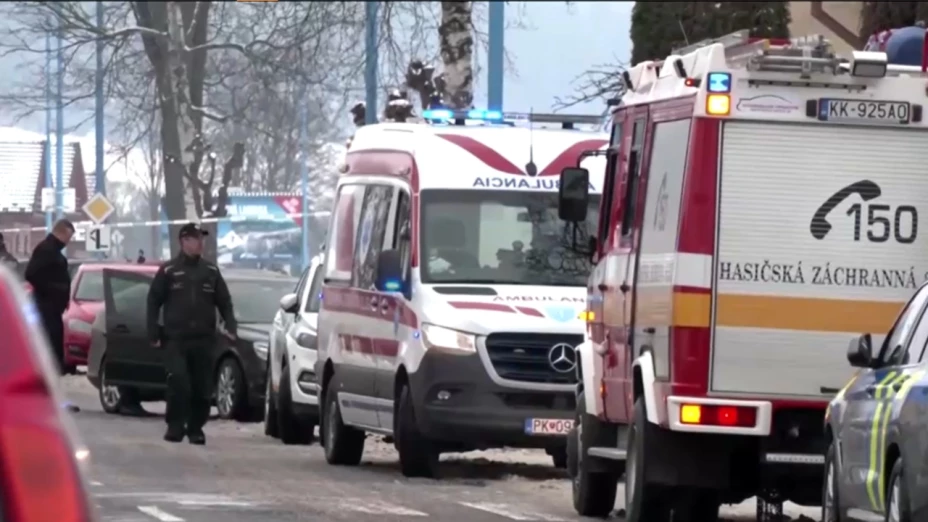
[[47, 272], [188, 290]]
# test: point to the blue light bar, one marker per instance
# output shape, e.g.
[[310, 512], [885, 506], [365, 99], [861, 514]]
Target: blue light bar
[[437, 114], [719, 82], [472, 114]]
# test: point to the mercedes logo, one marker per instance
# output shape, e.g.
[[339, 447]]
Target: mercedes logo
[[562, 357]]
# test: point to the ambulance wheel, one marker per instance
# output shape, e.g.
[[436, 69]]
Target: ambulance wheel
[[898, 500], [343, 444], [644, 502], [593, 492], [418, 455], [558, 456], [831, 505]]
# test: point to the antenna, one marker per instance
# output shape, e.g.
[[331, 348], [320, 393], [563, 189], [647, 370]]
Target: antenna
[[530, 168], [683, 30]]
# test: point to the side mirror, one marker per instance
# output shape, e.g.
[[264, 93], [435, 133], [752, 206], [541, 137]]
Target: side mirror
[[390, 272], [573, 194], [860, 352], [290, 303]]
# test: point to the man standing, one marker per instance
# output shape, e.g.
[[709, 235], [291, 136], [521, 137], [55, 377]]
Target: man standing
[[6, 257], [188, 290], [47, 272]]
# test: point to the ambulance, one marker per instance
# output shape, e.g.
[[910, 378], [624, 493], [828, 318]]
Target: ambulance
[[452, 299], [760, 211]]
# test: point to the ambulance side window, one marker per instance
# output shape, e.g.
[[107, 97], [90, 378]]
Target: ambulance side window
[[615, 143], [402, 232], [375, 212], [629, 205], [342, 234]]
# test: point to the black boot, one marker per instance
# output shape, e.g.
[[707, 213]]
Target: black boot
[[174, 434], [196, 437]]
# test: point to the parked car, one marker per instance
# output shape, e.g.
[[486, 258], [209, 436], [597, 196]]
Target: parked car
[[291, 401], [41, 457], [121, 358], [86, 301]]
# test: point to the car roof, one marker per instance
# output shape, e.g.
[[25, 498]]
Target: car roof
[[95, 266]]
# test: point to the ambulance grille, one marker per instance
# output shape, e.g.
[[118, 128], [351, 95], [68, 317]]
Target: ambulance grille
[[525, 357]]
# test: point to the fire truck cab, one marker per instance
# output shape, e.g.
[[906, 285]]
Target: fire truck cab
[[759, 209]]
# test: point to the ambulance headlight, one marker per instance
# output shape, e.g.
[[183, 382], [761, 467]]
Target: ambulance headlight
[[448, 340], [868, 64]]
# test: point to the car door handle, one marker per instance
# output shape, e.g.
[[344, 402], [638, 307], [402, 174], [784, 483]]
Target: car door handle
[[624, 288], [602, 287], [374, 301], [121, 328], [871, 390], [650, 330], [897, 386]]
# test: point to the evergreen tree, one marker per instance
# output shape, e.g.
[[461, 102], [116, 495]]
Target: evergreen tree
[[660, 27]]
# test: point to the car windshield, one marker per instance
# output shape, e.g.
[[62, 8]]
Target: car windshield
[[257, 300], [501, 237]]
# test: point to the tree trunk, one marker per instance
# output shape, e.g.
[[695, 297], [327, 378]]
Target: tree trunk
[[456, 41]]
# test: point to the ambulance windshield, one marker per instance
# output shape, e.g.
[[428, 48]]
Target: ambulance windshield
[[501, 237]]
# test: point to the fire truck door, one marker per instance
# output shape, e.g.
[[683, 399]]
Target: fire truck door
[[630, 240]]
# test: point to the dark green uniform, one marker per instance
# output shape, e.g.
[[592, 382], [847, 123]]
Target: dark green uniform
[[188, 291]]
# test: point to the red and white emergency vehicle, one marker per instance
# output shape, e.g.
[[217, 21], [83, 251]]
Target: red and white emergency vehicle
[[452, 301], [759, 210]]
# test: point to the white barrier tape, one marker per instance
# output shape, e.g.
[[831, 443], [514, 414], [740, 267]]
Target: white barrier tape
[[87, 224]]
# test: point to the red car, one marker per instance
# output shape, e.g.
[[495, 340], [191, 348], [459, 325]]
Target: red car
[[86, 301], [40, 457]]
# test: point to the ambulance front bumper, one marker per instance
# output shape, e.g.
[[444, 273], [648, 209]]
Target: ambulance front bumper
[[457, 402]]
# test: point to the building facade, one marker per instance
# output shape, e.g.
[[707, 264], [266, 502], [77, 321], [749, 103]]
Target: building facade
[[838, 22]]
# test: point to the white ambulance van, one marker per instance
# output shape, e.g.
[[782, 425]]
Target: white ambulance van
[[451, 298]]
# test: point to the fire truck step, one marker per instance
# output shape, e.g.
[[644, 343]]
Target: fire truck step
[[606, 453], [793, 458]]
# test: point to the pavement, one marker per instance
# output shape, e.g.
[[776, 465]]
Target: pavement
[[243, 476]]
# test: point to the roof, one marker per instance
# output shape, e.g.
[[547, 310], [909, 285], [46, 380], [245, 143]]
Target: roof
[[486, 156], [22, 174], [96, 266]]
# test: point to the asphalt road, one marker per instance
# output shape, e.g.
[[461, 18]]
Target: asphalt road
[[243, 476]]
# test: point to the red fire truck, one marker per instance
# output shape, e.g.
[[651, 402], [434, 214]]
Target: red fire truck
[[759, 210]]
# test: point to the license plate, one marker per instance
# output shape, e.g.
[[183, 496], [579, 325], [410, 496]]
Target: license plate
[[548, 426], [830, 109]]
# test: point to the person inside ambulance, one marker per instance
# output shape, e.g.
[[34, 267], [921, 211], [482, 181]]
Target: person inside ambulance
[[448, 254]]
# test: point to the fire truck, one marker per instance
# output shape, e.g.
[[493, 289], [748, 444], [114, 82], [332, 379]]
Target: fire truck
[[759, 211]]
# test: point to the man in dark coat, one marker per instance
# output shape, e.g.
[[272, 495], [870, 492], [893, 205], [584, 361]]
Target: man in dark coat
[[187, 291], [6, 258], [48, 274]]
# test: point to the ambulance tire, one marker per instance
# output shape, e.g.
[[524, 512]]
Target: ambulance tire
[[418, 455], [343, 445], [593, 492], [898, 494], [643, 502]]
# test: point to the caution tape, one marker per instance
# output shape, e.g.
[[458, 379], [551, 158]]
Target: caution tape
[[88, 224]]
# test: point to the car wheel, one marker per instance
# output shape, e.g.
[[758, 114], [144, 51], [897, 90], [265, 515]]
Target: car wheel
[[344, 445], [270, 407], [292, 429], [418, 455], [593, 492], [898, 505], [110, 395], [831, 505], [230, 390]]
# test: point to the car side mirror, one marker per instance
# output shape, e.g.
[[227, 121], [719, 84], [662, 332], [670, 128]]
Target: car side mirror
[[390, 272], [860, 352], [573, 197], [290, 303]]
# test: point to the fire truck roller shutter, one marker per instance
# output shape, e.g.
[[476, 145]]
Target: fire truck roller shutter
[[816, 243]]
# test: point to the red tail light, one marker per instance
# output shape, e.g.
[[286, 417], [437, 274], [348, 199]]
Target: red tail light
[[40, 478], [718, 415]]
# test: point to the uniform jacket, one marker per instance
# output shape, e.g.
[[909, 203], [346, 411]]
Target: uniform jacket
[[188, 291], [48, 274]]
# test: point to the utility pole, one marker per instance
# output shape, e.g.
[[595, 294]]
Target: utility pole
[[48, 123], [303, 138], [100, 183], [370, 63], [59, 131], [496, 55]]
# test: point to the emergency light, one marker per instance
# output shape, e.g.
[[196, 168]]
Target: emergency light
[[459, 117]]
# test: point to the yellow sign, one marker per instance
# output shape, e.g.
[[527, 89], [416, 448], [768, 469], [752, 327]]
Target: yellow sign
[[98, 208]]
